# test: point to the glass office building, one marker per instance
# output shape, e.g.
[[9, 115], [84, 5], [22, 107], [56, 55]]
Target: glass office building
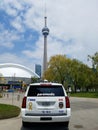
[[38, 70]]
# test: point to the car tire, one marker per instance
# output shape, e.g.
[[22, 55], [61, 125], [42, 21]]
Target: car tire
[[65, 124], [24, 124]]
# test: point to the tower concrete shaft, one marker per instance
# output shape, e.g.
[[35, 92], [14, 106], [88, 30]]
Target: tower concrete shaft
[[45, 32], [45, 55]]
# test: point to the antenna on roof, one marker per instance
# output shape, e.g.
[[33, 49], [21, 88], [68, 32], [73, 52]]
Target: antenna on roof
[[45, 15], [45, 10]]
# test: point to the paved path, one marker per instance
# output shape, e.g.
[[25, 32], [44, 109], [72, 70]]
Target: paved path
[[12, 98], [84, 114]]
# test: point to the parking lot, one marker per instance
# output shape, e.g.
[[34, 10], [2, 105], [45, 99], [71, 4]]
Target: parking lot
[[84, 115]]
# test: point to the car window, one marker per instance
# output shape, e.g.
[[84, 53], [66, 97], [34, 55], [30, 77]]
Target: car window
[[51, 90]]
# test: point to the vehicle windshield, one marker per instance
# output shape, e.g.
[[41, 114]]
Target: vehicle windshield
[[52, 90]]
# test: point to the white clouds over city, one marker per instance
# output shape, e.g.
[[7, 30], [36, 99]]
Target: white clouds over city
[[73, 28]]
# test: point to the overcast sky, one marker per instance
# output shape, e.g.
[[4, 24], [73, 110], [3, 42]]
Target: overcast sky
[[73, 28]]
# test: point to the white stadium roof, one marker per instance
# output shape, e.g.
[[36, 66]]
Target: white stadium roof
[[16, 70]]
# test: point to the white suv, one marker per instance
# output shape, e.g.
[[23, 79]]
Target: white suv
[[46, 103]]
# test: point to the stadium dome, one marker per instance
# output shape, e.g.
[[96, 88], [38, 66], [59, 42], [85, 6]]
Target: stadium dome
[[1, 75], [16, 70]]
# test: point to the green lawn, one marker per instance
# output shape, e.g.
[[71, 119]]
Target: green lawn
[[85, 94], [8, 111]]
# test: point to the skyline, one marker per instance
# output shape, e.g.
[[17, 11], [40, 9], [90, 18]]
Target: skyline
[[73, 26]]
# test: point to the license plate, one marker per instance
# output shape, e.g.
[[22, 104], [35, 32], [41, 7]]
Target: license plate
[[45, 118], [46, 112]]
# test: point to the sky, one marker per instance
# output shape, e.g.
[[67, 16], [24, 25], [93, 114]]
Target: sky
[[73, 26]]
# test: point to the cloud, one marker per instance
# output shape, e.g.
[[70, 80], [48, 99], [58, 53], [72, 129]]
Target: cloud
[[76, 19], [73, 28], [36, 53], [7, 38], [13, 58], [18, 24]]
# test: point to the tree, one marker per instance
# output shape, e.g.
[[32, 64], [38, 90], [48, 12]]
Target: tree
[[71, 72], [75, 73], [34, 80], [57, 69], [94, 60], [81, 75]]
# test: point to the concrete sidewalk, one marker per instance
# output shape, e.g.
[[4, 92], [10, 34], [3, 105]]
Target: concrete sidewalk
[[12, 98]]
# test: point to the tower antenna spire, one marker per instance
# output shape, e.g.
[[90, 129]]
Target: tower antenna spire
[[45, 15], [45, 9]]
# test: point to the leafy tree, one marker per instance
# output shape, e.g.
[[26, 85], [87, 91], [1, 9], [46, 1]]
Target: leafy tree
[[82, 76], [94, 60], [57, 68], [71, 72], [34, 80], [76, 73]]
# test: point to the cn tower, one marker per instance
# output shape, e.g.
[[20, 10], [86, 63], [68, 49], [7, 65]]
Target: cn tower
[[45, 32]]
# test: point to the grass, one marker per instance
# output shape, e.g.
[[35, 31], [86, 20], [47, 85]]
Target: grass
[[85, 94], [8, 111], [0, 95]]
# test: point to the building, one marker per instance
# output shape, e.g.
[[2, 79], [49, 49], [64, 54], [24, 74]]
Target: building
[[38, 70], [16, 73]]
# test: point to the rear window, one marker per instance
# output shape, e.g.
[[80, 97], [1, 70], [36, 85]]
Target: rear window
[[51, 90]]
